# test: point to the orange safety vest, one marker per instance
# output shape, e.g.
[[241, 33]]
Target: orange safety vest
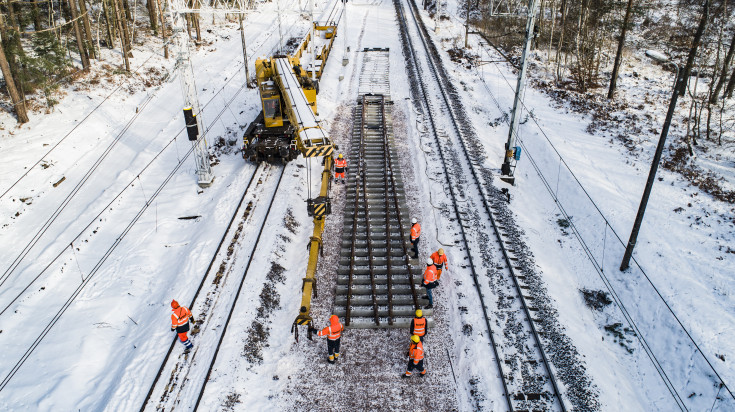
[[415, 231], [180, 316], [419, 326], [430, 274], [416, 352], [339, 165], [334, 330], [439, 260]]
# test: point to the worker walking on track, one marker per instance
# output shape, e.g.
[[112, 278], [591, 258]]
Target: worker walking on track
[[340, 164], [180, 323], [440, 262], [430, 281], [333, 332], [415, 357], [415, 235], [419, 327]]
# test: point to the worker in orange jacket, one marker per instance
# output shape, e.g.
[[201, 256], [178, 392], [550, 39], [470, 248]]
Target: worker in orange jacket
[[415, 357], [180, 323], [440, 262], [419, 326], [340, 164], [333, 332], [415, 235], [430, 281]]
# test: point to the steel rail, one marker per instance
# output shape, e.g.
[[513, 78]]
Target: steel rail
[[442, 80], [201, 284], [412, 66], [363, 175], [239, 288], [386, 204]]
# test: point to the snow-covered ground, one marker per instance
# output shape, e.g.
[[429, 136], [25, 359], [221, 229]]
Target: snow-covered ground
[[105, 348]]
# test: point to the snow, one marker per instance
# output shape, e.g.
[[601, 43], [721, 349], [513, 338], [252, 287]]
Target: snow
[[117, 142]]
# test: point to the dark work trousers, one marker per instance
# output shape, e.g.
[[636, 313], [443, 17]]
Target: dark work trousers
[[333, 346], [411, 366], [415, 244]]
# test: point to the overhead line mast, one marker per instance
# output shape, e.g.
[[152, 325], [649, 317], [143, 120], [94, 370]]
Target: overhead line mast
[[192, 114]]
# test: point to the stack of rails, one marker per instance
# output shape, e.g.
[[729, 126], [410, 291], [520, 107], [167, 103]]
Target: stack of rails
[[378, 285]]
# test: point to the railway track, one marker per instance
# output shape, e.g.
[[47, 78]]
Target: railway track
[[526, 375], [377, 285], [186, 375]]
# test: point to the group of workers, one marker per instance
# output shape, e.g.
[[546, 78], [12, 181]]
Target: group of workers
[[435, 264], [419, 329]]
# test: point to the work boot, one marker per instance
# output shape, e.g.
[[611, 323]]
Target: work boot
[[187, 350], [404, 376], [330, 359], [428, 306], [425, 297]]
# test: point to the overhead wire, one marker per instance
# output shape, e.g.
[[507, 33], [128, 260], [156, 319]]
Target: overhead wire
[[588, 251]]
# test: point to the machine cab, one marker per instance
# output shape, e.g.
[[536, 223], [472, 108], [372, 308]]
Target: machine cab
[[271, 99]]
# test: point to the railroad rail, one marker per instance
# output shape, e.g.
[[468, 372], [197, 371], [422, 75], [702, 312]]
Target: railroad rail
[[182, 369], [377, 282], [527, 377]]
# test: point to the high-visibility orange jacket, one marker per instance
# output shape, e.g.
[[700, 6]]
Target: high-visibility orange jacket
[[339, 165], [418, 326], [334, 330], [430, 274], [180, 316], [416, 352], [415, 231], [439, 260]]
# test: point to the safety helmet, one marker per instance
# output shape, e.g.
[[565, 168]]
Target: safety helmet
[[414, 221], [419, 313], [429, 261], [174, 304], [415, 338], [441, 252], [340, 156]]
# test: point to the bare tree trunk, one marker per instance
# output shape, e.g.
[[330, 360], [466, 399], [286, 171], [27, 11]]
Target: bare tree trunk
[[110, 24], [695, 46], [78, 34], [730, 85], [151, 6], [562, 26], [15, 97], [723, 75], [87, 28], [195, 22], [163, 29], [123, 34], [619, 53], [36, 14]]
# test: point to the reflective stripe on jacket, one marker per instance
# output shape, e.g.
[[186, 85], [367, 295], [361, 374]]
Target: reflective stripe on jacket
[[415, 231], [430, 274], [416, 352], [439, 260], [418, 326], [180, 316], [334, 330], [339, 165]]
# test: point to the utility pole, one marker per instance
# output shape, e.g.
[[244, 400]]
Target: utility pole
[[192, 115], [244, 51], [467, 24], [679, 84], [191, 102], [507, 168]]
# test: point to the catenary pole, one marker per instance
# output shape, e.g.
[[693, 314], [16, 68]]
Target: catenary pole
[[679, 83]]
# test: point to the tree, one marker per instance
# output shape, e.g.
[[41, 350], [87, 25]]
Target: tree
[[723, 75], [619, 54], [695, 45], [15, 97]]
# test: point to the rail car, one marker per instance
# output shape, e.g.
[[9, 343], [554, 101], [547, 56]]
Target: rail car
[[287, 125]]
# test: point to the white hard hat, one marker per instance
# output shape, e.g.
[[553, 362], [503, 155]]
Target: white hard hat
[[414, 221], [429, 261]]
